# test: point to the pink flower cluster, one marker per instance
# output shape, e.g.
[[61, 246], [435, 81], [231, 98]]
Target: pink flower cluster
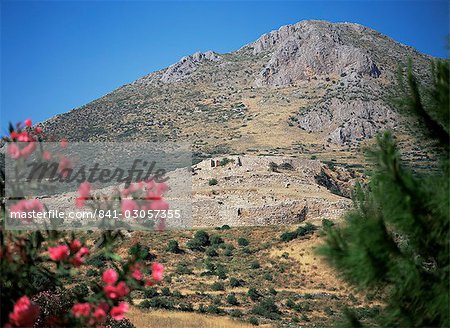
[[75, 253], [24, 313], [25, 136], [92, 314], [112, 290], [145, 196], [26, 206], [84, 193]]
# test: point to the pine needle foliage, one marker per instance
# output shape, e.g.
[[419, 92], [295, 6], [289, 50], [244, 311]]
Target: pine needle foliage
[[394, 244]]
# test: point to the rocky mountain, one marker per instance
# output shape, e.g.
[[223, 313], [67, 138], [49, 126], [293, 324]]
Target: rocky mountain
[[312, 88]]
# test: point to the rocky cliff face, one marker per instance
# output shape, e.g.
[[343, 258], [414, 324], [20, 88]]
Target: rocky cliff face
[[312, 87], [187, 65], [310, 49]]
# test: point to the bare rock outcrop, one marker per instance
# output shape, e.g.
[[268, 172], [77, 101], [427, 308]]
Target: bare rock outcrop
[[310, 49], [187, 65], [347, 120]]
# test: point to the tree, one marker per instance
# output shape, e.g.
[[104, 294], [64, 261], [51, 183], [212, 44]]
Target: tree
[[395, 242]]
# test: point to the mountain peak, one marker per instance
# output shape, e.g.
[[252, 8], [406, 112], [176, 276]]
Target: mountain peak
[[312, 48]]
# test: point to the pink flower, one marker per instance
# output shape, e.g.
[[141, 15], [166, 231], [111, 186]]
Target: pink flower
[[14, 135], [24, 313], [159, 205], [24, 137], [28, 122], [110, 292], [118, 312], [110, 277], [46, 155], [58, 253], [157, 271], [79, 202], [26, 206], [75, 245], [38, 130], [122, 289], [129, 205], [161, 188], [78, 259], [13, 151], [116, 292], [28, 150], [100, 314], [137, 274], [63, 143], [84, 190], [81, 310], [64, 166], [152, 196]]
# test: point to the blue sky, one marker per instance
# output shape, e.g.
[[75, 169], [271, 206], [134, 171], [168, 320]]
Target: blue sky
[[58, 55]]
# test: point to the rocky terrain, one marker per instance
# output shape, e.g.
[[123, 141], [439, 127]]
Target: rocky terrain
[[251, 190], [244, 191], [310, 88]]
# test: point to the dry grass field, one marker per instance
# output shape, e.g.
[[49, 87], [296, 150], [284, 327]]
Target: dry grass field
[[244, 276]]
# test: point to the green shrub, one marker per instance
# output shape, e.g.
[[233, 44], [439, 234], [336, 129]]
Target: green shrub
[[202, 237], [243, 241], [329, 311], [158, 303], [253, 294], [212, 182], [141, 251], [186, 307], [215, 240], [124, 323], [150, 292], [255, 265], [268, 276], [231, 299], [236, 313], [299, 232], [290, 303], [225, 161], [218, 286], [228, 250], [221, 272], [327, 224], [288, 236], [253, 321], [234, 282], [80, 291], [267, 308], [272, 291], [194, 245], [92, 273], [211, 251], [213, 309], [173, 247], [182, 268], [165, 291]]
